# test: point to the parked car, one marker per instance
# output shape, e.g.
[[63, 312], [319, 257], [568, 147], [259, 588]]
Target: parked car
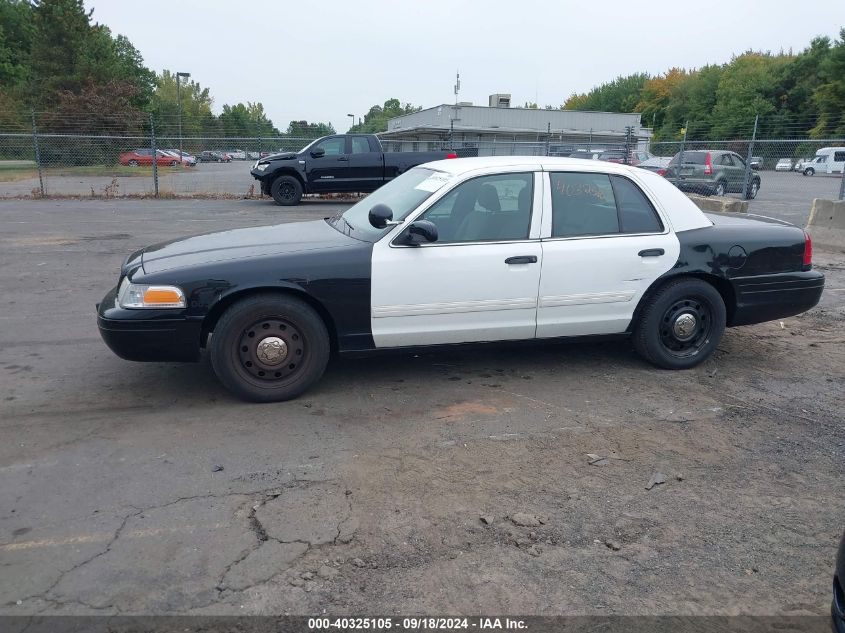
[[837, 608], [784, 164], [586, 154], [454, 252], [828, 160], [236, 154], [185, 158], [211, 156], [656, 164], [756, 162], [335, 164], [613, 156], [801, 163], [144, 156], [711, 172]]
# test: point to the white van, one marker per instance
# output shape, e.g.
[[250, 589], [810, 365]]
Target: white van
[[828, 160]]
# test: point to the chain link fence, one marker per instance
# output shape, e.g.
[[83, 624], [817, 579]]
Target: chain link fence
[[42, 156]]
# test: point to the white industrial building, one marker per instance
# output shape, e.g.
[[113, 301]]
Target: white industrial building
[[498, 129]]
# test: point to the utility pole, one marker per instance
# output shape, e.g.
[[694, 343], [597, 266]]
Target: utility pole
[[179, 99], [747, 177]]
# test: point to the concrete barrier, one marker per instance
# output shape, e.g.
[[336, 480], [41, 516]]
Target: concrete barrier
[[826, 224], [719, 205]]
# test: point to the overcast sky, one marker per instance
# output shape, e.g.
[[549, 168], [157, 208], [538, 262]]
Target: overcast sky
[[321, 59]]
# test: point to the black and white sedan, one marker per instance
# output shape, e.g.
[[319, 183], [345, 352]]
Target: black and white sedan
[[461, 251]]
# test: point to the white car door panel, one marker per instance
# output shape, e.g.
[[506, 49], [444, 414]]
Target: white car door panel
[[457, 290], [591, 284]]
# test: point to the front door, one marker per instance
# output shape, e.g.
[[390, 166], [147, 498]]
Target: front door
[[604, 244], [477, 282], [329, 171]]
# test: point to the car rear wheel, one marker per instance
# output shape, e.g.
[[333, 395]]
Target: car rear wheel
[[132, 163], [173, 163], [809, 171], [680, 324], [720, 189], [286, 191], [269, 348], [753, 188]]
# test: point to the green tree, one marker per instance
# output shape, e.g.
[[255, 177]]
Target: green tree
[[620, 95], [246, 120], [197, 118], [829, 96], [304, 129], [376, 119]]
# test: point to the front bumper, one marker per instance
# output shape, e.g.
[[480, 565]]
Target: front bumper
[[769, 297], [148, 335]]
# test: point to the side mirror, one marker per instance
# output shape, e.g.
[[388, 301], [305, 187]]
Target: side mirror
[[421, 231], [318, 152], [380, 216]]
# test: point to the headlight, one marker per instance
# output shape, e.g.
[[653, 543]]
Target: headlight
[[142, 296], [262, 166]]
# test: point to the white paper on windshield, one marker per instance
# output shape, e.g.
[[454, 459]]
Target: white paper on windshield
[[433, 182]]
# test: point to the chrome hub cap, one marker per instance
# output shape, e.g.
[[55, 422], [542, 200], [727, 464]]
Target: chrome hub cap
[[684, 326], [271, 350]]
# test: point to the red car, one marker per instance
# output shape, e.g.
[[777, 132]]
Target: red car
[[144, 156]]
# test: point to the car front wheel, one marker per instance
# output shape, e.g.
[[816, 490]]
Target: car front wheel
[[680, 324], [720, 189], [269, 347], [809, 171], [286, 191]]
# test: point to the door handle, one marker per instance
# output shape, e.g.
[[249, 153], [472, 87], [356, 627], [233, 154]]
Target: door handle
[[343, 158], [522, 259], [652, 252]]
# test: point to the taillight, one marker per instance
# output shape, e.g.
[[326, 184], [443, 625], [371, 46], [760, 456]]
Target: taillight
[[708, 166], [661, 172], [451, 155], [808, 250]]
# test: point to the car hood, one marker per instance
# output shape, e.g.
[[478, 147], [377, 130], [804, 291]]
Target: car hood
[[280, 156], [257, 241]]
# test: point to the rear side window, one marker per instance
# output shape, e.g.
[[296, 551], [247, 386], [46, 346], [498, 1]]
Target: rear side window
[[598, 204], [360, 145], [636, 215], [839, 157]]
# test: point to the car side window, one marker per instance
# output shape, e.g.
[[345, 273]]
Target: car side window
[[838, 157], [485, 209], [582, 204], [333, 146], [726, 160], [360, 145], [636, 215], [738, 161]]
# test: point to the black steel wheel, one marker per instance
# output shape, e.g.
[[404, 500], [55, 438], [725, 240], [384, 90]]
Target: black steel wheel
[[809, 171], [269, 347], [680, 324], [720, 189], [286, 191]]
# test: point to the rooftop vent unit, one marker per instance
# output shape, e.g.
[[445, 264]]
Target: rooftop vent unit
[[500, 100]]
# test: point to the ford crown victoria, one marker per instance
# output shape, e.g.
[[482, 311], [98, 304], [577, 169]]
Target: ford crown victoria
[[461, 251]]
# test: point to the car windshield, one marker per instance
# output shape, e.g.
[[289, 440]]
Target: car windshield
[[403, 194]]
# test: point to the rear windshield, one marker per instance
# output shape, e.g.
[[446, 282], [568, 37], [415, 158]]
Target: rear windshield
[[691, 158]]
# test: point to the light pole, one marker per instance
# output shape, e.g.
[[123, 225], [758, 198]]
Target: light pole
[[179, 99], [353, 119]]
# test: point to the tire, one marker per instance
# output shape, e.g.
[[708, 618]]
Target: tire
[[173, 163], [809, 171], [721, 189], [753, 189], [132, 163], [659, 336], [286, 191], [285, 367]]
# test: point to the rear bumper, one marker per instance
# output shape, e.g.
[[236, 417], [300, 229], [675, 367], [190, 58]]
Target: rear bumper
[[768, 297], [148, 335], [694, 186]]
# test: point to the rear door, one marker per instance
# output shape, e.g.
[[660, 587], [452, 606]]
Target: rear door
[[838, 163], [604, 244], [329, 172], [366, 165], [477, 282]]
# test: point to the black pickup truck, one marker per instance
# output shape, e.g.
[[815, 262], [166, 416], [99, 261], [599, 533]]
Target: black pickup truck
[[335, 164]]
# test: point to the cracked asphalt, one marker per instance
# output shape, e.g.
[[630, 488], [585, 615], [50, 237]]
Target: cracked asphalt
[[366, 495]]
